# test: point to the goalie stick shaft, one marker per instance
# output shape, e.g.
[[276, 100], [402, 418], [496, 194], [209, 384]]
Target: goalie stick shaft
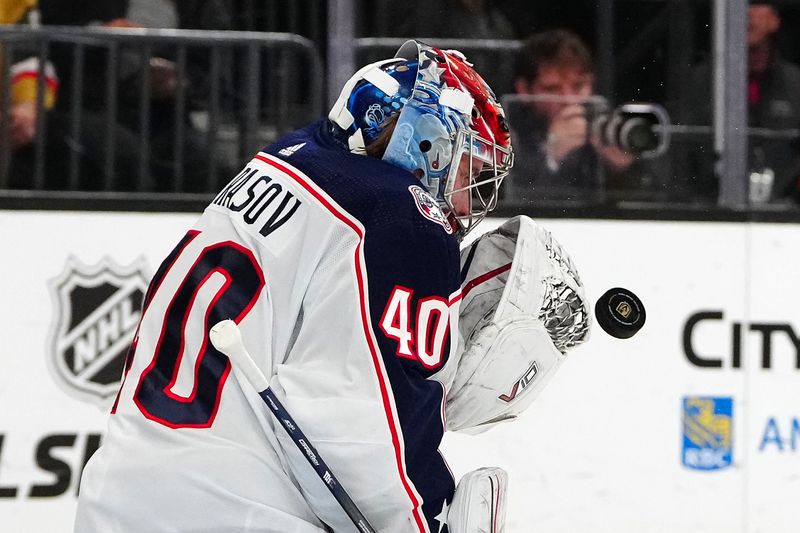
[[226, 337]]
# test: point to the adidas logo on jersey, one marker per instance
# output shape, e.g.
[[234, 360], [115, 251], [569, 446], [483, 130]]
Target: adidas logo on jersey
[[289, 150]]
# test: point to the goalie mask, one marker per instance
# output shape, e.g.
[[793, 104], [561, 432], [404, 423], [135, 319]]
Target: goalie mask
[[450, 131]]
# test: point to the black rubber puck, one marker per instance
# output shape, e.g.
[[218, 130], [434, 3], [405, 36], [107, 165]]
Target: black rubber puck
[[620, 313]]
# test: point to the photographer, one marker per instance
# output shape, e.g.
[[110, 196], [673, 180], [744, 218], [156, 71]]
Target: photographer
[[558, 153]]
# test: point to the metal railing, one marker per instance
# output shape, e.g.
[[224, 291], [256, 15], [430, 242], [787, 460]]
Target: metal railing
[[155, 110]]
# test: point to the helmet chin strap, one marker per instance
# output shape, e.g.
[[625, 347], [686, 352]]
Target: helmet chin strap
[[356, 143]]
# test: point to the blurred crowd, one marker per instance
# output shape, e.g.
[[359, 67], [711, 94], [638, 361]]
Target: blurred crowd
[[556, 95], [92, 99]]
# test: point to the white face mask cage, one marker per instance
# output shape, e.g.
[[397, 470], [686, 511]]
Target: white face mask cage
[[473, 183]]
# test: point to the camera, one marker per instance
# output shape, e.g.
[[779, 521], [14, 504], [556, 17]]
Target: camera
[[638, 128], [642, 129]]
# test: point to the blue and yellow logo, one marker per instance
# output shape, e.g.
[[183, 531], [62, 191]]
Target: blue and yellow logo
[[707, 432]]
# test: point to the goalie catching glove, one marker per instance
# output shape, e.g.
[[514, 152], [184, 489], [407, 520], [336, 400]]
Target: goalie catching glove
[[523, 308]]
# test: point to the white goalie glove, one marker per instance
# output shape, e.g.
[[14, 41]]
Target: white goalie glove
[[523, 308]]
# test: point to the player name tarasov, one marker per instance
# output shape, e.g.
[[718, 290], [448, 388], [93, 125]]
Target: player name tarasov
[[262, 201]]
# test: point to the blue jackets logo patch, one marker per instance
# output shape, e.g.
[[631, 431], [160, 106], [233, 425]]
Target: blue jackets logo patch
[[707, 432], [429, 207]]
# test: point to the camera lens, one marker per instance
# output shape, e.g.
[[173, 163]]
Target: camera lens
[[634, 128], [637, 135]]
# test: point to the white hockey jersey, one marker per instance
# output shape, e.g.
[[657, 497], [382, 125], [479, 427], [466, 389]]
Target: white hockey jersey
[[343, 275]]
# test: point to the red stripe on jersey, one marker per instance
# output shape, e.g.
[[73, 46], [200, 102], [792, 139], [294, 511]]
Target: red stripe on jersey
[[455, 297], [484, 277], [393, 429]]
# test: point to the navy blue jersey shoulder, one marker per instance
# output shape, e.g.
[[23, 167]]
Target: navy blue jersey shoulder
[[373, 191], [412, 267]]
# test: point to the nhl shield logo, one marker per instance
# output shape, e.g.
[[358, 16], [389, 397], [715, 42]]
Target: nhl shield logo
[[96, 312]]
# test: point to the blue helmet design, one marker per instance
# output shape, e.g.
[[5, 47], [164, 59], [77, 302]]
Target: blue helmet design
[[449, 130], [370, 105]]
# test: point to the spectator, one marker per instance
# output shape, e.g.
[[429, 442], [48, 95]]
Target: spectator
[[557, 155], [22, 115], [164, 87], [773, 94], [164, 83]]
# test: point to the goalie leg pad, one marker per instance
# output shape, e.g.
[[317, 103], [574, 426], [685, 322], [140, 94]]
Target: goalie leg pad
[[479, 503]]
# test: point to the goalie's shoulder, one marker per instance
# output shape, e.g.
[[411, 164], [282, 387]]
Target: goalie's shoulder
[[376, 193]]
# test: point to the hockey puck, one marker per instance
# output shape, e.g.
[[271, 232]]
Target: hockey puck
[[620, 313]]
